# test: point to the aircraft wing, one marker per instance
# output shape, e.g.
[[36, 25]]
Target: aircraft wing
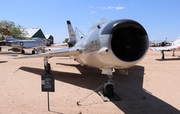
[[164, 48], [60, 44], [56, 46], [56, 53]]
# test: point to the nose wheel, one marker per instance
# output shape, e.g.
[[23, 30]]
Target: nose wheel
[[108, 89], [108, 93]]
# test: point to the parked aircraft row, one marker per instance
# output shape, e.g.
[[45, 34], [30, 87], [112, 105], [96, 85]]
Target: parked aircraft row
[[109, 45], [37, 44], [175, 45], [159, 43]]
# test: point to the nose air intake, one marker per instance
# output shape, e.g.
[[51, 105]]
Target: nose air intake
[[129, 40]]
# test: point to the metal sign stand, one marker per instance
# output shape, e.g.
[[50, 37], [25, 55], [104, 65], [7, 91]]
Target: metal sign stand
[[47, 85], [48, 101]]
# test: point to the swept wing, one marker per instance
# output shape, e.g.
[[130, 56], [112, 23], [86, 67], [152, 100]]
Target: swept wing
[[55, 53]]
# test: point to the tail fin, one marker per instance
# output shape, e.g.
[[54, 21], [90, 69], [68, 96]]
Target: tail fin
[[7, 35], [72, 35], [6, 32]]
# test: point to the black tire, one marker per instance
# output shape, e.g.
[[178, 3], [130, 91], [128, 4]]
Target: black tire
[[109, 91], [33, 51], [22, 51]]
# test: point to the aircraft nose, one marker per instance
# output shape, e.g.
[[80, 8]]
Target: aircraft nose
[[129, 41]]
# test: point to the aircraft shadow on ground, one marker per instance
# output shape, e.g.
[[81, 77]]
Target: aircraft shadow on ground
[[3, 61], [168, 59], [8, 53], [14, 53], [134, 99]]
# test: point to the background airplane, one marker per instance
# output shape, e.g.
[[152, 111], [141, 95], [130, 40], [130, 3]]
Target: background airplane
[[175, 45], [37, 44], [108, 45], [159, 43]]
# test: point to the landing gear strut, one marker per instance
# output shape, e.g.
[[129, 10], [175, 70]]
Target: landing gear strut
[[33, 51], [108, 88], [173, 54], [162, 54], [47, 66], [108, 93]]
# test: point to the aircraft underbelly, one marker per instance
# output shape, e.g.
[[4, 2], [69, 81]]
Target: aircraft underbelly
[[103, 61]]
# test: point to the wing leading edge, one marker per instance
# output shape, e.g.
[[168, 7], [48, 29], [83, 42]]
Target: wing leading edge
[[55, 53]]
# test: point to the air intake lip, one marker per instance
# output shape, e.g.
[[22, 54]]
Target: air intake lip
[[129, 41], [109, 28]]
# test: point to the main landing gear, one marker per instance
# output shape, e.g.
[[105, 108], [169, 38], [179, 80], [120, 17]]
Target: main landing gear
[[33, 51], [47, 66], [162, 54], [173, 54], [22, 51]]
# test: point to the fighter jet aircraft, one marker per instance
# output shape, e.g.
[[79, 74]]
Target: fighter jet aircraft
[[37, 44], [108, 45], [175, 45]]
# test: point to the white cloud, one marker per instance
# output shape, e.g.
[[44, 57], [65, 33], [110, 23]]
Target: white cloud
[[93, 12], [112, 7], [102, 7], [119, 8], [91, 7]]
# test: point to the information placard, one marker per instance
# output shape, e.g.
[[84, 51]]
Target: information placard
[[47, 83]]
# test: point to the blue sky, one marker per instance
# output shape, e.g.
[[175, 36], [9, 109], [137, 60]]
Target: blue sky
[[160, 18]]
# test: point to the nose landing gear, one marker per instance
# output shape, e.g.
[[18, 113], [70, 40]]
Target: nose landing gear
[[108, 88], [108, 93]]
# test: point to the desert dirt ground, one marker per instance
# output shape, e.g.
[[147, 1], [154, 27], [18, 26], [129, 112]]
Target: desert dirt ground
[[152, 87]]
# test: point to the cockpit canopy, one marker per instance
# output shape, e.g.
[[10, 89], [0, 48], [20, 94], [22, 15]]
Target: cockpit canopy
[[37, 39], [99, 22]]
